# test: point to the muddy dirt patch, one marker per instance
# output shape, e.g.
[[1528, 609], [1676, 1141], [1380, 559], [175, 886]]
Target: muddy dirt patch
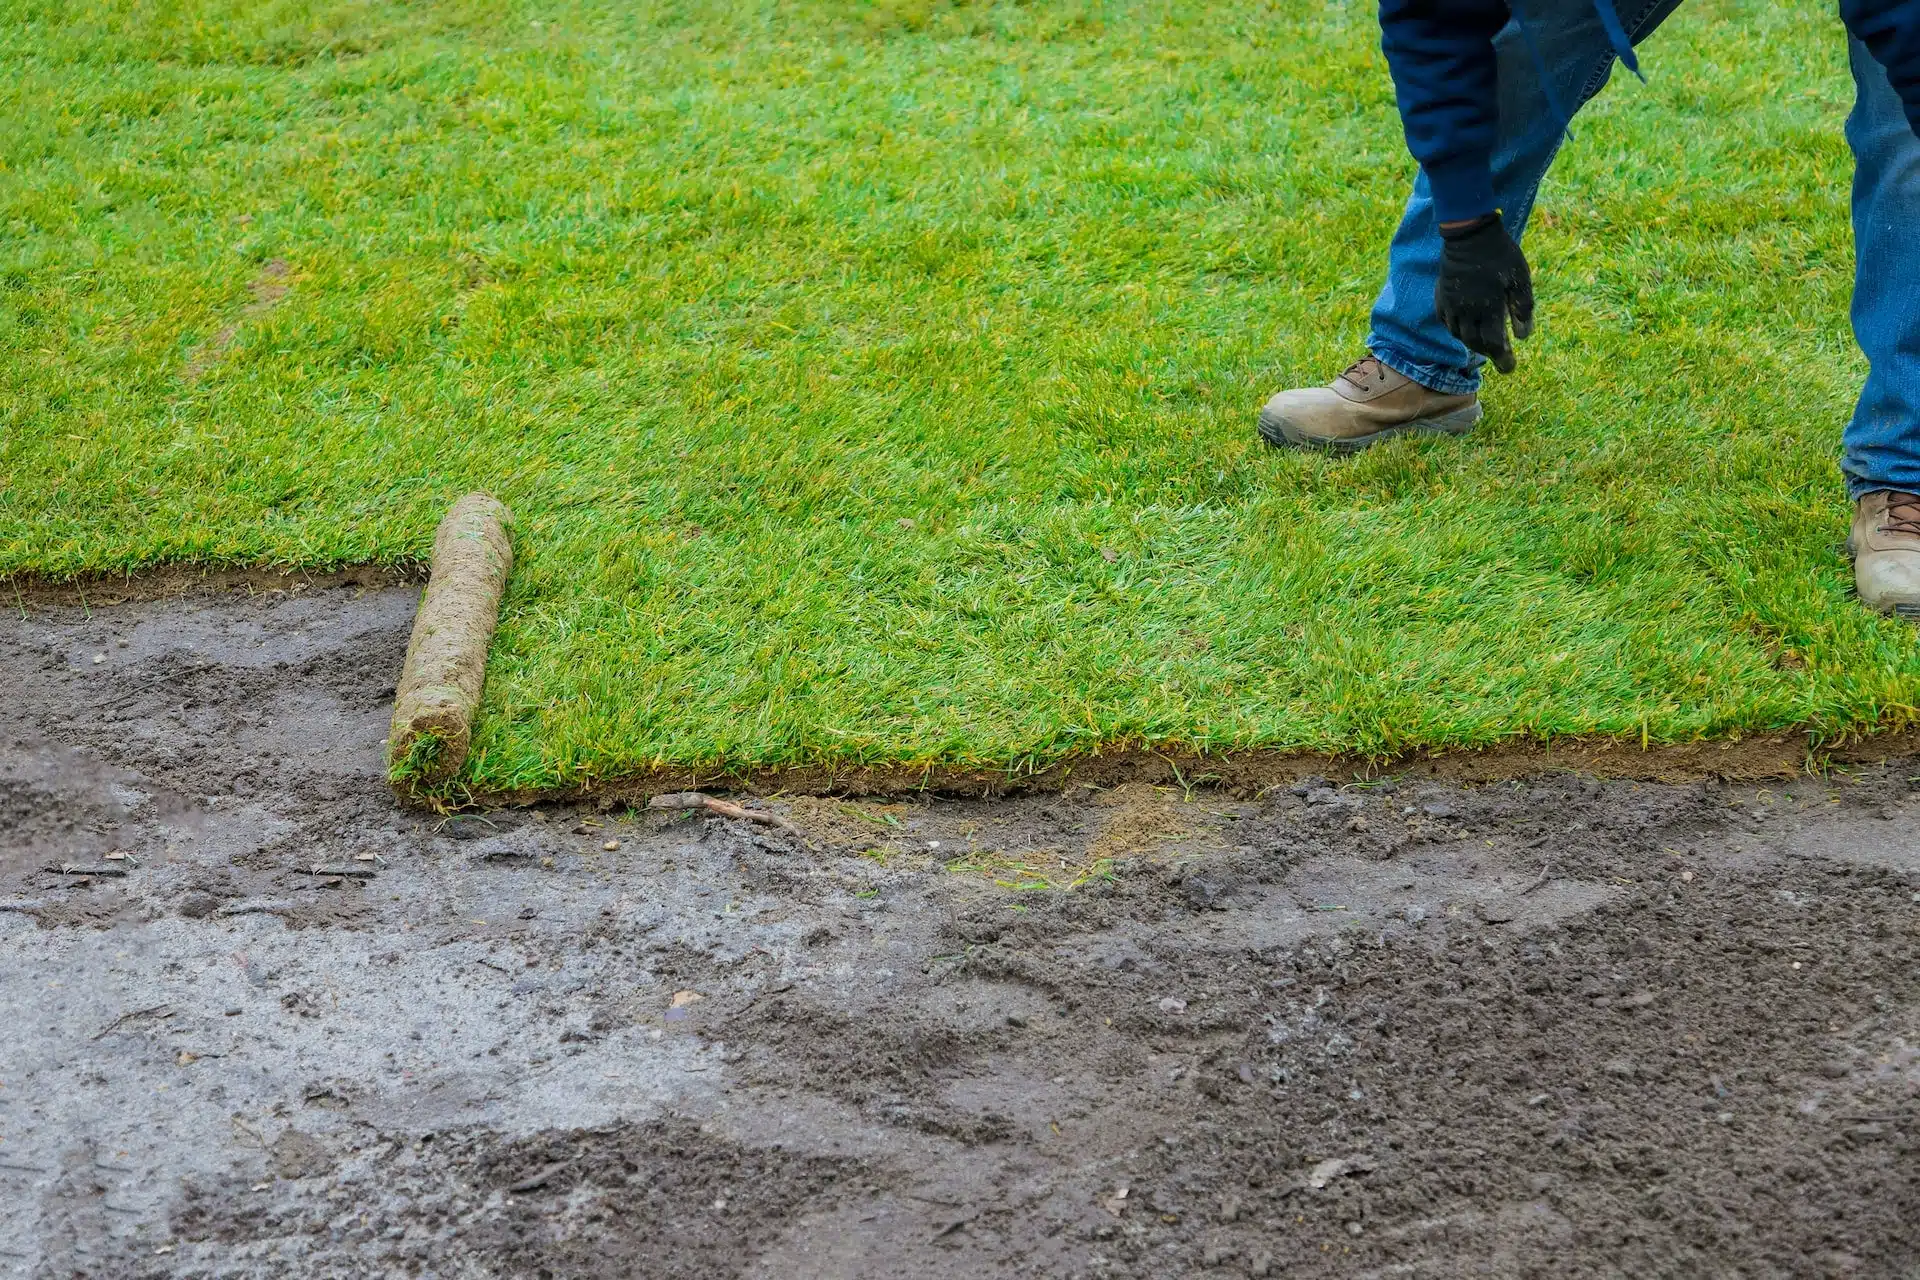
[[1378, 1027]]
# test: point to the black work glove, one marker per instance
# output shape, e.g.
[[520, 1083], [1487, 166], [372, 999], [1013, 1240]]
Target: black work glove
[[1483, 280]]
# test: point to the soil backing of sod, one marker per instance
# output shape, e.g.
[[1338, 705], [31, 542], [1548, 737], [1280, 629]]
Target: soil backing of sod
[[1775, 757]]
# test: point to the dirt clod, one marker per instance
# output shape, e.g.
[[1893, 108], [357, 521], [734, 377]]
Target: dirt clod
[[299, 1155]]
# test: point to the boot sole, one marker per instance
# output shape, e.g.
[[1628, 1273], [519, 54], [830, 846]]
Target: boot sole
[[1280, 431]]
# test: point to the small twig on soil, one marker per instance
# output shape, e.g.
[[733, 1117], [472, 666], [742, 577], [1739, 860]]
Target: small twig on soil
[[169, 678], [26, 904], [104, 869], [154, 1011], [954, 1225], [353, 871], [726, 809], [1545, 870], [256, 908], [541, 1178]]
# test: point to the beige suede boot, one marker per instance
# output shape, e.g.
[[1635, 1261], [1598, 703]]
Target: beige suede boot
[[1365, 405], [1885, 543]]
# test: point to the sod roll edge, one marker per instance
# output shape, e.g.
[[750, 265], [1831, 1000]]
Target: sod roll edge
[[446, 665]]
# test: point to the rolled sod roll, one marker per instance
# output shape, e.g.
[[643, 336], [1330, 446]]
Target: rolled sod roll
[[439, 690]]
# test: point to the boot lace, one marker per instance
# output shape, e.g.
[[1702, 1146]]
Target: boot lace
[[1364, 370], [1903, 513]]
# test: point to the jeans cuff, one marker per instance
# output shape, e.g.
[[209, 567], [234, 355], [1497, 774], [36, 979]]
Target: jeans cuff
[[1448, 382], [1858, 489]]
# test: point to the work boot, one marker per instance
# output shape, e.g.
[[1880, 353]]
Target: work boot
[[1365, 405], [1885, 543]]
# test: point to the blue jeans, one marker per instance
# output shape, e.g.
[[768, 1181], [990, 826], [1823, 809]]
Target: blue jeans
[[1882, 442]]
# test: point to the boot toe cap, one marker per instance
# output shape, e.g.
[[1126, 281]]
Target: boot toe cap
[[1298, 417], [1889, 580]]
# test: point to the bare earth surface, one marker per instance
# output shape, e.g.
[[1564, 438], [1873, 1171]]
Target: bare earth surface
[[1552, 1028]]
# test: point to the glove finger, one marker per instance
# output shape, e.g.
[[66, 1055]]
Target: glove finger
[[1471, 325], [1485, 333], [1520, 307], [1493, 343]]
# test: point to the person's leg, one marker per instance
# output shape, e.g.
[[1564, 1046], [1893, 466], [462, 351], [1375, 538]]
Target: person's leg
[[1883, 439], [1419, 378], [1566, 38], [1882, 443]]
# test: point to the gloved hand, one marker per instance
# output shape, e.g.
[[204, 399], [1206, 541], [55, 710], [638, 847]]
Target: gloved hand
[[1483, 280]]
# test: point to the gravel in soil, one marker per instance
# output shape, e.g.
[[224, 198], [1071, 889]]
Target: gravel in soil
[[1552, 1027]]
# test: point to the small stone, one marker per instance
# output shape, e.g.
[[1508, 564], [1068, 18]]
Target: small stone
[[1621, 1067], [1537, 1100], [99, 658], [1327, 1170], [198, 905], [1353, 1228], [1638, 1000], [468, 826], [1725, 1117], [1437, 809], [1170, 1005], [1260, 1267]]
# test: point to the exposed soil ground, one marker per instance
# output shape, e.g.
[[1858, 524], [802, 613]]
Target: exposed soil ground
[[1552, 1027]]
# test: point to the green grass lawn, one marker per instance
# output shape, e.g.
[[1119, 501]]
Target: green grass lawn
[[876, 381]]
